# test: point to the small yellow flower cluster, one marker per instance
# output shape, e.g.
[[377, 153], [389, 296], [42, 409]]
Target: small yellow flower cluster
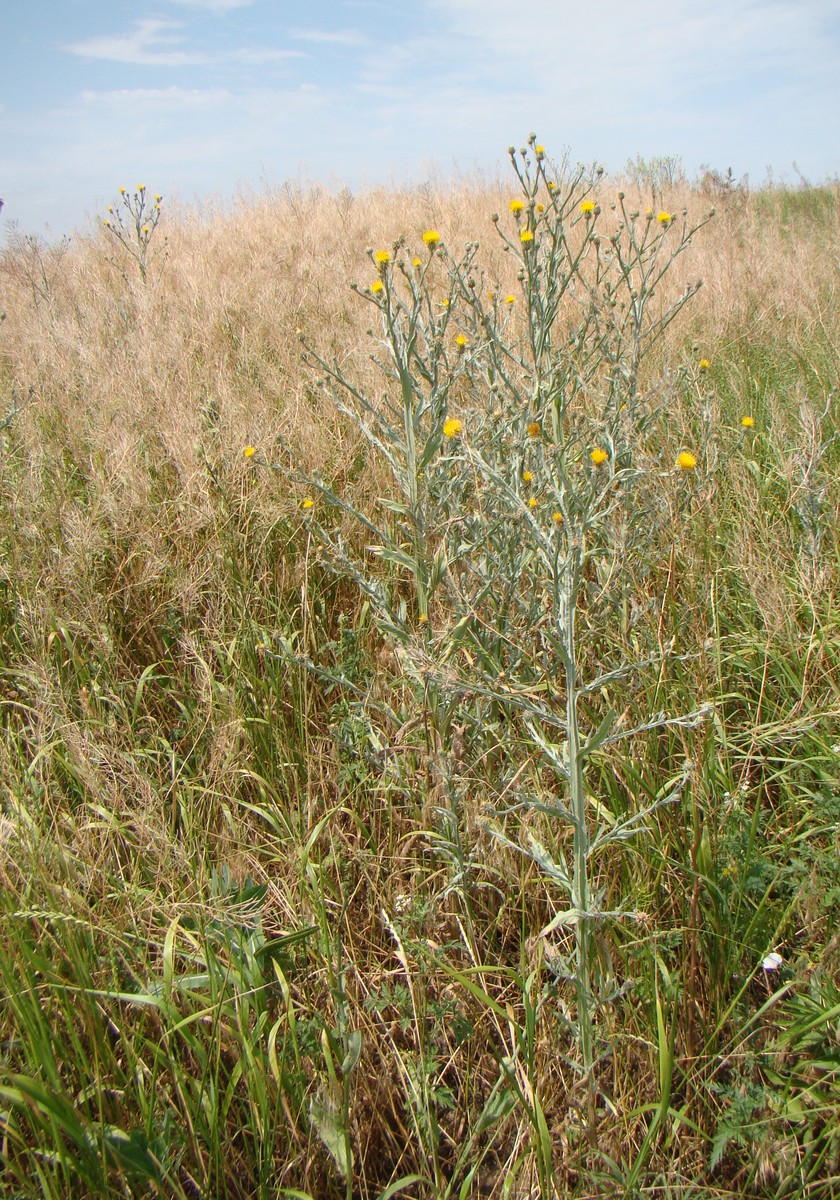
[[431, 237], [527, 476], [452, 428], [510, 299], [461, 341], [532, 503], [599, 456], [376, 286], [686, 460], [747, 422], [526, 236], [534, 429], [557, 518], [664, 219], [587, 207], [516, 207], [307, 503], [703, 364], [381, 258], [250, 451]]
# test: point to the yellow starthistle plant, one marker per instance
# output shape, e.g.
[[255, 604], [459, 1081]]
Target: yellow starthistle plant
[[250, 451], [686, 460], [664, 219], [511, 575], [431, 237], [526, 236], [382, 258], [747, 422]]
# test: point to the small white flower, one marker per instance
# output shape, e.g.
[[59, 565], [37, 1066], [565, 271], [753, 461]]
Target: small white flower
[[401, 903], [772, 962]]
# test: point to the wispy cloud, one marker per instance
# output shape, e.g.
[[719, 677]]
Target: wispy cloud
[[151, 43], [213, 5], [146, 100], [337, 37], [255, 56], [155, 42]]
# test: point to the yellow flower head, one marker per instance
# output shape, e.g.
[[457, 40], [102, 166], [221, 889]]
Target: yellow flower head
[[141, 187], [382, 258], [461, 340], [686, 461], [540, 150], [587, 207], [527, 476], [416, 262], [747, 422], [122, 191], [423, 618], [664, 218], [445, 303], [510, 299], [526, 236], [431, 237], [540, 208], [532, 503], [516, 207], [703, 364], [452, 428], [250, 451], [376, 286], [534, 429], [551, 185], [599, 456], [557, 518], [307, 503], [145, 229], [158, 199]]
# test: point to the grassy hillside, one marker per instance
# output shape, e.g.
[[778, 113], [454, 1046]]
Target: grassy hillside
[[288, 775]]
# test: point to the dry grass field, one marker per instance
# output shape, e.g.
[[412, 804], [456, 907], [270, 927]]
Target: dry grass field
[[292, 781]]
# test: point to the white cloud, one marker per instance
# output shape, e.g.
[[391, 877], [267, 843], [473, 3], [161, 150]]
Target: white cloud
[[145, 100], [213, 5], [149, 44], [338, 37], [254, 56]]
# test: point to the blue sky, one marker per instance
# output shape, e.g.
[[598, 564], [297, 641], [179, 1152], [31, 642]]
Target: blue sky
[[207, 98]]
